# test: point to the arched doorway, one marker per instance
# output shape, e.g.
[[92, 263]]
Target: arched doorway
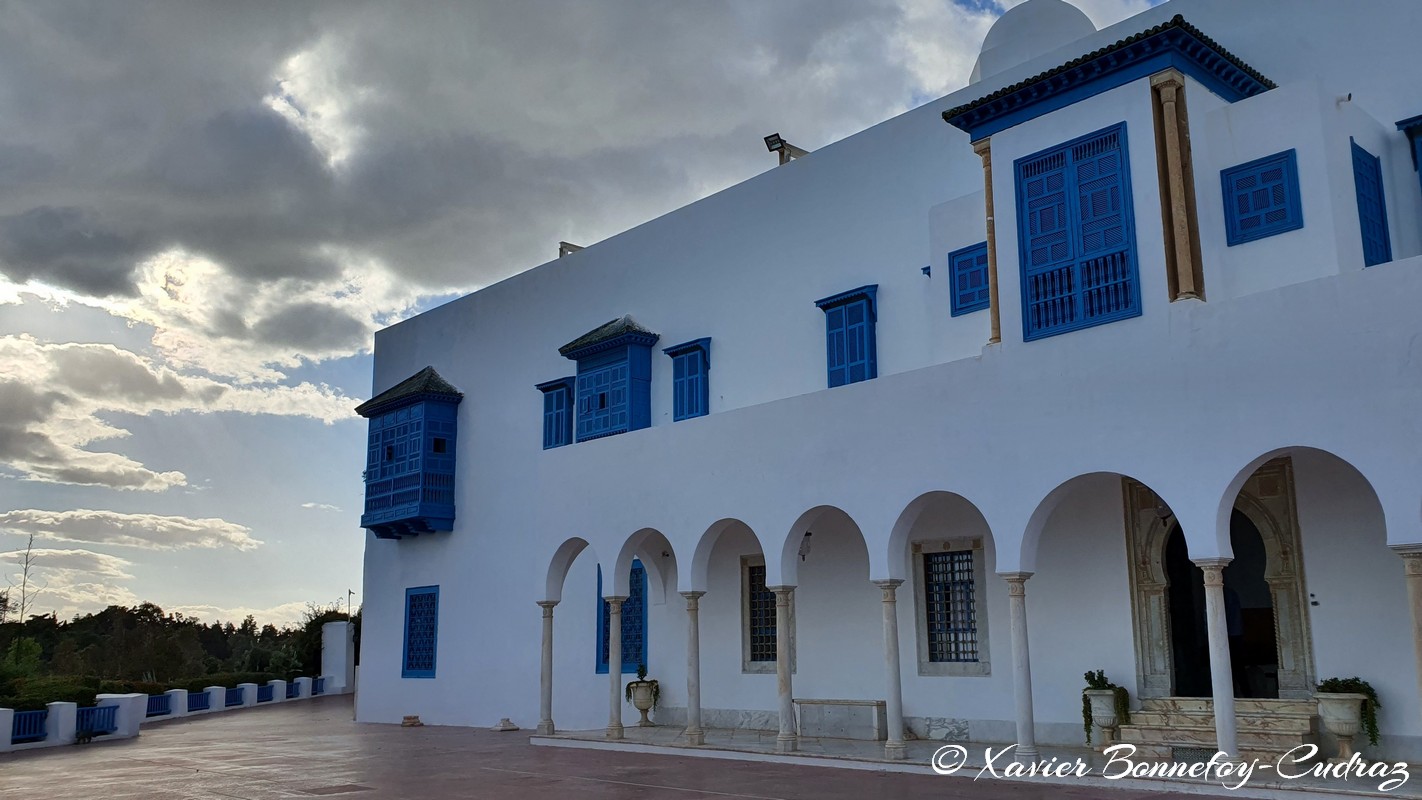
[[1249, 615]]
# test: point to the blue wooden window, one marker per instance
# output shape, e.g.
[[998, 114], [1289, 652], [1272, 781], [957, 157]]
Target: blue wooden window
[[1261, 198], [760, 614], [1372, 210], [557, 412], [949, 608], [634, 622], [98, 719], [603, 395], [1076, 235], [850, 345], [691, 365], [968, 269], [421, 632]]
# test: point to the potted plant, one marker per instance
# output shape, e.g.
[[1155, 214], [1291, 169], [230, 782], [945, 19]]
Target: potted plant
[[1105, 705], [1347, 706], [643, 694]]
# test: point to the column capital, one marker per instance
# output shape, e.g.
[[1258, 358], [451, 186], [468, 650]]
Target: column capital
[[1015, 577], [1213, 569], [782, 589], [1411, 557], [691, 595], [615, 600], [1168, 77], [889, 583], [547, 605], [983, 147]]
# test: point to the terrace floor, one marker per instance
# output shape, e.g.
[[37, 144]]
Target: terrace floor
[[314, 749]]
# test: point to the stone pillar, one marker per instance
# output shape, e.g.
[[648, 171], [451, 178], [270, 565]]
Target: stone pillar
[[177, 702], [545, 673], [984, 149], [61, 720], [7, 723], [614, 666], [303, 692], [694, 733], [1221, 673], [338, 657], [788, 740], [249, 694], [278, 691], [1182, 235], [1412, 568], [894, 703], [1021, 665], [217, 696]]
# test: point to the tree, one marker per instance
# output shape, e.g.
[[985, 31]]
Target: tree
[[28, 589], [4, 606]]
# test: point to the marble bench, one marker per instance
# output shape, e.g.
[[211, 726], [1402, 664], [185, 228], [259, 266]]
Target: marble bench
[[843, 719]]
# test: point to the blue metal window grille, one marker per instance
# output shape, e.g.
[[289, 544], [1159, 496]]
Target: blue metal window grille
[[634, 622], [1076, 235], [1372, 210], [691, 365], [97, 720], [850, 347], [968, 269], [293, 690], [159, 705], [265, 694], [1261, 198], [234, 697], [557, 412], [421, 632], [760, 613], [29, 726], [199, 701], [951, 615]]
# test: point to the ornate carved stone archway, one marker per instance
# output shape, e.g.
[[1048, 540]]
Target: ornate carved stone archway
[[1268, 500]]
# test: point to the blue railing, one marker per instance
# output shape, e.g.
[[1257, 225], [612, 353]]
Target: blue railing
[[293, 690], [102, 719], [234, 696], [29, 726], [199, 701], [264, 694], [159, 705], [318, 686]]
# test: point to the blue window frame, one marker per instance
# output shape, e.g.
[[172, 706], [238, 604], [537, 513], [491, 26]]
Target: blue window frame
[[421, 632], [1076, 235], [634, 622], [614, 379], [968, 269], [949, 606], [1261, 198], [557, 412], [1372, 209], [691, 365], [850, 344], [410, 457]]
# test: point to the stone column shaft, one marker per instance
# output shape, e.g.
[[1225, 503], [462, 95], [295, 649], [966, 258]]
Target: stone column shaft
[[788, 740], [614, 666], [545, 674], [1412, 567], [894, 703], [1021, 665], [694, 732], [984, 149], [1221, 672]]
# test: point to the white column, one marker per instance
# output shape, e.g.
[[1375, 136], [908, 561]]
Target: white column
[[694, 733], [7, 724], [249, 694], [614, 666], [545, 674], [788, 740], [894, 703], [303, 692], [1221, 673], [1021, 664], [278, 691], [177, 702], [217, 696], [1412, 567], [60, 723]]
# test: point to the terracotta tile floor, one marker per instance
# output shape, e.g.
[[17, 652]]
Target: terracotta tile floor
[[313, 749]]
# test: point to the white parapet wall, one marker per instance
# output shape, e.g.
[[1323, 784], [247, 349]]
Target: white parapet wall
[[216, 698], [338, 657], [132, 708], [249, 694], [303, 690], [177, 703], [278, 691]]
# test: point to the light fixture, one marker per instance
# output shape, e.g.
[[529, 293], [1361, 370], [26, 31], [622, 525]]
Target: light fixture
[[1163, 512], [805, 545], [787, 152]]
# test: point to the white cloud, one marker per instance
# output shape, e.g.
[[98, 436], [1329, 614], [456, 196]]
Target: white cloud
[[147, 531], [47, 562], [279, 615], [321, 506]]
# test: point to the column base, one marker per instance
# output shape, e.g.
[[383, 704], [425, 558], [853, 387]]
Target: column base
[[1027, 755], [787, 743], [695, 737], [614, 731], [895, 751], [545, 728]]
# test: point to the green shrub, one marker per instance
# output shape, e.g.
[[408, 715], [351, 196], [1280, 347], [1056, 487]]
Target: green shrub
[[33, 694], [227, 679]]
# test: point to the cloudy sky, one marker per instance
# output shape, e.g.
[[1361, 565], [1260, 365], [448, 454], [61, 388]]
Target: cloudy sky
[[207, 209]]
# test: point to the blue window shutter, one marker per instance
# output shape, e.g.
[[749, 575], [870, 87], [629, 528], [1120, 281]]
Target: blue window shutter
[[690, 363], [1372, 208], [849, 335], [968, 270], [634, 622], [1261, 198], [836, 342], [421, 632]]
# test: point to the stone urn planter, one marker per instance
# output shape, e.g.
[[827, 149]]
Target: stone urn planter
[[643, 695], [1103, 713], [1104, 705], [1342, 715]]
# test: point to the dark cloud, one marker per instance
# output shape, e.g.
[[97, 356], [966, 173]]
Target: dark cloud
[[312, 327], [70, 247]]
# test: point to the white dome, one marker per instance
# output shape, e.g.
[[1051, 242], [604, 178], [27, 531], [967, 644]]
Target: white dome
[[1027, 31]]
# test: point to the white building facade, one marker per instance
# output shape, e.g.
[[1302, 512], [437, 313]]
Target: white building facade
[[1118, 369]]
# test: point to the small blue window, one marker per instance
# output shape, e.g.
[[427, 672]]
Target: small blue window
[[1076, 235], [968, 269], [691, 363], [421, 632], [557, 412], [850, 346], [634, 622], [1261, 198], [1372, 210]]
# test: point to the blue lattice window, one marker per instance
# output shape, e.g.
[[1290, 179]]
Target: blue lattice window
[[968, 269], [760, 615], [949, 606], [850, 346], [410, 457], [557, 412], [1076, 235], [634, 622], [421, 632], [691, 365], [1372, 208], [1261, 198]]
